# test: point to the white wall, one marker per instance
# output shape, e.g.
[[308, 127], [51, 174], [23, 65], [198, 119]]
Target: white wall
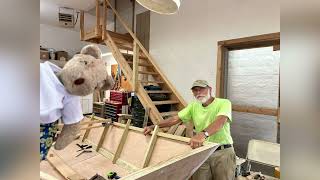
[[62, 39], [185, 44]]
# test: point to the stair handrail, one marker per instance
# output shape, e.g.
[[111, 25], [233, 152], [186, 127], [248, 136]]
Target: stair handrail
[[146, 53]]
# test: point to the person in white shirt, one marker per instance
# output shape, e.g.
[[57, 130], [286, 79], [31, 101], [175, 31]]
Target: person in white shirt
[[60, 91]]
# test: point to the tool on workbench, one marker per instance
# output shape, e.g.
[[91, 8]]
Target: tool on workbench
[[84, 149], [112, 175]]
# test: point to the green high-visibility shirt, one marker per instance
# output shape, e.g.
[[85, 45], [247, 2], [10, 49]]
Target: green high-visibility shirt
[[202, 117]]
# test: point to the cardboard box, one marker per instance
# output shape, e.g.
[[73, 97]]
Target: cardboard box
[[44, 55], [62, 55]]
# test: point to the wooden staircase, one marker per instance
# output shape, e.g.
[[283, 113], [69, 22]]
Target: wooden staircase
[[136, 64]]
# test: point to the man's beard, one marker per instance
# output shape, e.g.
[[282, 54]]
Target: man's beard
[[202, 99]]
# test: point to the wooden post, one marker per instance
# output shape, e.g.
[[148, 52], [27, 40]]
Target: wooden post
[[82, 25], [149, 151], [135, 66], [115, 16], [103, 135], [133, 13], [104, 20], [122, 141], [146, 117], [97, 18], [220, 72], [86, 134]]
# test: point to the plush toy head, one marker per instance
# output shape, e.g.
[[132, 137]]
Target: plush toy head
[[86, 72]]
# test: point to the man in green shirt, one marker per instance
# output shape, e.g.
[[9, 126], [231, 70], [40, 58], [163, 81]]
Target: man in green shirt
[[211, 118]]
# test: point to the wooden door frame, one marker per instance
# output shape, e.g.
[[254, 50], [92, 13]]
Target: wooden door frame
[[224, 47]]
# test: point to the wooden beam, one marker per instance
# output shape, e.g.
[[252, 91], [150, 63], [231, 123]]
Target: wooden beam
[[122, 141], [150, 148], [181, 130], [82, 25], [276, 47], [255, 110], [65, 170], [165, 135], [114, 16], [146, 117], [97, 18], [104, 20], [94, 122], [220, 71], [136, 55], [173, 129], [86, 134], [252, 41], [133, 14], [102, 137]]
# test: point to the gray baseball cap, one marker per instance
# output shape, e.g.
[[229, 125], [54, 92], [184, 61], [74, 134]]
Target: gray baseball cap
[[200, 83]]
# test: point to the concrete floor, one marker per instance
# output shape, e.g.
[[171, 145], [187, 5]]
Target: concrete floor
[[246, 126]]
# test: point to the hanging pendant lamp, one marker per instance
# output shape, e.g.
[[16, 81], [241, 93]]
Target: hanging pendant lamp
[[161, 6]]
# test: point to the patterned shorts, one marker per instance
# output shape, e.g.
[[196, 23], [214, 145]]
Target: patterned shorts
[[47, 134]]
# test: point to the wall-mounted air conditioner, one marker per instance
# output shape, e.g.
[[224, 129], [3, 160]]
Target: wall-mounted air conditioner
[[66, 17]]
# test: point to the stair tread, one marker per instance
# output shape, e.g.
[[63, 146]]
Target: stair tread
[[131, 55], [141, 64], [165, 102], [158, 82], [159, 91], [169, 113], [147, 72]]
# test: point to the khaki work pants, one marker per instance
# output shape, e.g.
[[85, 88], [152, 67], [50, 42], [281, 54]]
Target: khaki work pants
[[220, 165]]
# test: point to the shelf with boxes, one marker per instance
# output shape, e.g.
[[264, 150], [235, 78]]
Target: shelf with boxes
[[52, 54]]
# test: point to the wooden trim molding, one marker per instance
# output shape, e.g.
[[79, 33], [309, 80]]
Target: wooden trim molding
[[256, 110]]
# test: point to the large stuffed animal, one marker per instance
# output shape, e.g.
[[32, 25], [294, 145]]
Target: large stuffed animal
[[60, 91]]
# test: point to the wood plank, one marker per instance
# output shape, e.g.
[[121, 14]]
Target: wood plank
[[118, 37], [97, 17], [252, 41], [65, 170], [150, 148], [170, 136], [86, 134], [141, 56], [148, 72], [178, 167], [93, 122], [45, 176], [173, 129], [276, 47], [165, 102], [181, 130], [133, 15], [220, 71], [81, 25], [147, 81], [102, 137], [135, 67], [170, 113], [122, 141], [104, 19], [160, 91], [256, 110], [146, 117], [141, 64]]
